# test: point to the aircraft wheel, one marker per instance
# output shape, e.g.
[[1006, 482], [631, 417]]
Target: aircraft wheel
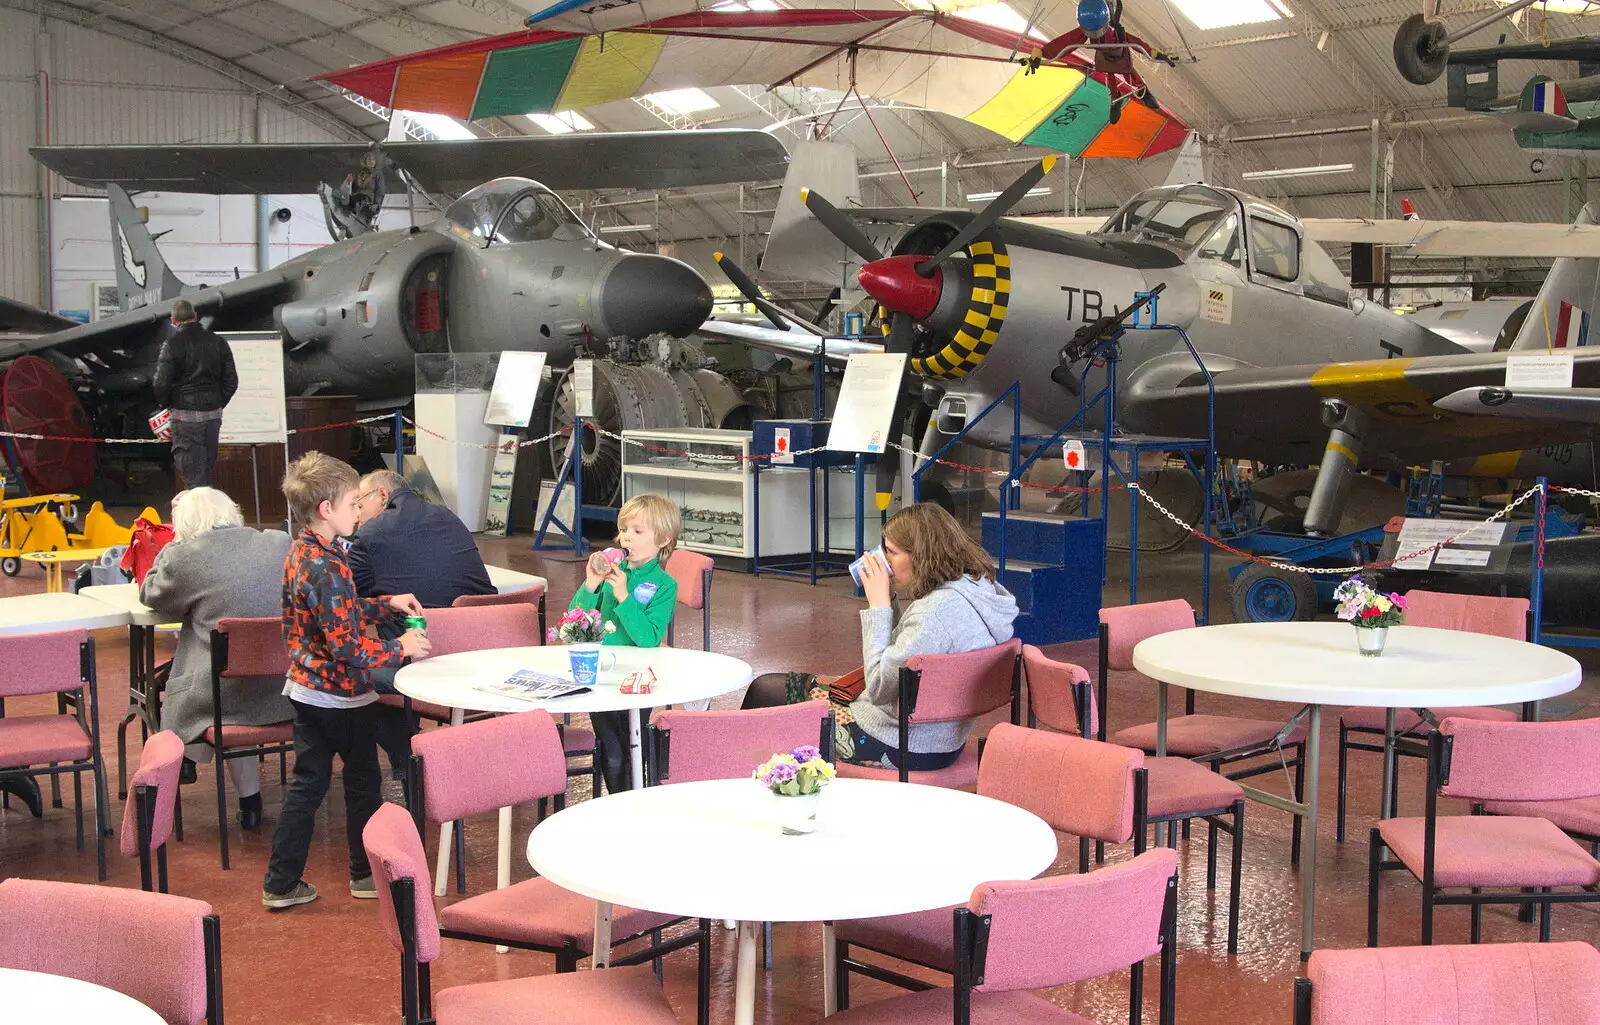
[[10, 566], [1420, 50], [1269, 594]]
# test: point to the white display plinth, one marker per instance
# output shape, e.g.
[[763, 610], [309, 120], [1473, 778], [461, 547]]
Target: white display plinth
[[461, 473]]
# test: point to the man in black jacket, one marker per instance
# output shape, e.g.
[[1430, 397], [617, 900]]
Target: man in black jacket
[[406, 542], [195, 378]]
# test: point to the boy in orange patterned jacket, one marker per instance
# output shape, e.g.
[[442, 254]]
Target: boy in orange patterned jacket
[[331, 657]]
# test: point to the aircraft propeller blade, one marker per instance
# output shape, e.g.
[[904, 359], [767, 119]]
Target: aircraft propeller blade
[[998, 207], [902, 332], [748, 288], [841, 226]]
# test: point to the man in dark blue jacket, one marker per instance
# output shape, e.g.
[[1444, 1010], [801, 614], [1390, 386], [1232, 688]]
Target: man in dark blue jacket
[[407, 542]]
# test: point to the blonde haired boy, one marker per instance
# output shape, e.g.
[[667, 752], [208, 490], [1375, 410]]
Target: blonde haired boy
[[639, 596]]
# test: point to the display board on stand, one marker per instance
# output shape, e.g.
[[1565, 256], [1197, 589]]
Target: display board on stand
[[256, 415], [517, 380], [865, 407]]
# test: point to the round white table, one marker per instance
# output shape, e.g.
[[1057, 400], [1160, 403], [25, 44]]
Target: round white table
[[714, 850], [38, 997], [144, 701], [44, 613], [682, 674], [1316, 664], [505, 579]]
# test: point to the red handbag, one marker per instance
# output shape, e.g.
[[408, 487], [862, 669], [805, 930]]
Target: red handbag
[[148, 540]]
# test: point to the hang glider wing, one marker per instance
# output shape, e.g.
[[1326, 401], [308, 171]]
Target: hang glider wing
[[1571, 405], [599, 161], [1273, 413], [575, 60], [1463, 238]]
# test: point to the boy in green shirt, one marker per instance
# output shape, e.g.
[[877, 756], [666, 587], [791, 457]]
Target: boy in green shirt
[[639, 596]]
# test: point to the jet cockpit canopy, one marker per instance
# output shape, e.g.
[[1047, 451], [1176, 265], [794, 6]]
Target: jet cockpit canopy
[[1182, 218], [511, 210]]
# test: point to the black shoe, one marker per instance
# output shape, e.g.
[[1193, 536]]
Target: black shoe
[[250, 812], [27, 788], [189, 772]]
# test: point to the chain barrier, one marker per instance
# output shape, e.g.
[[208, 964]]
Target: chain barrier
[[1330, 570], [496, 446]]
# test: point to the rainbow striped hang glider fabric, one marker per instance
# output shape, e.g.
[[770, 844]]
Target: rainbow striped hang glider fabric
[[940, 62]]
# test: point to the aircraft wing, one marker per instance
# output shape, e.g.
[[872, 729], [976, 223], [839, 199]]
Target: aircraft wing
[[1573, 405], [1273, 413], [575, 161], [20, 317], [1462, 238], [785, 343], [247, 294]]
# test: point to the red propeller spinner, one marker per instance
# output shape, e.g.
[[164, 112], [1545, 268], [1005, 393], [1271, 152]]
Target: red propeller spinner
[[898, 284]]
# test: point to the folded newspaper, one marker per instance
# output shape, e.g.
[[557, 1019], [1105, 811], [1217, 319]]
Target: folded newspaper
[[527, 685]]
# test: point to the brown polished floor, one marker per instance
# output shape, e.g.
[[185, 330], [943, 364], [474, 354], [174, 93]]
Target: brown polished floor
[[328, 963]]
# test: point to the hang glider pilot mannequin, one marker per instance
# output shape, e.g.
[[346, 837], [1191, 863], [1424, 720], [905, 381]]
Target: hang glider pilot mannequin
[[351, 208], [1113, 47]]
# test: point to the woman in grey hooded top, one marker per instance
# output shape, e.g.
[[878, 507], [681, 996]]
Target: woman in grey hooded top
[[953, 605], [217, 568]]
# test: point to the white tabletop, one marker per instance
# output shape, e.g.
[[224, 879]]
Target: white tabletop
[[714, 850], [37, 997], [682, 674], [46, 613], [125, 597], [1317, 663], [512, 580]]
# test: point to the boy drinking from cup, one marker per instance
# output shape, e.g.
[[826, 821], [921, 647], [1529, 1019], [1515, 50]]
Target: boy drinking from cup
[[635, 592]]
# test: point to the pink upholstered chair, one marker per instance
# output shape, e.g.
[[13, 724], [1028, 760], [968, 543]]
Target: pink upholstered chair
[[148, 815], [1059, 696], [1083, 787], [1472, 613], [1500, 983], [682, 747], [1479, 760], [692, 572], [950, 688], [497, 763], [619, 994], [534, 595], [1012, 937], [161, 950], [62, 664], [244, 648], [1216, 740]]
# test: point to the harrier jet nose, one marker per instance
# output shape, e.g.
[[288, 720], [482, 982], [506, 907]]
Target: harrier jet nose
[[899, 286], [643, 295]]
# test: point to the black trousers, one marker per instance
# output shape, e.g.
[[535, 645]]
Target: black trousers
[[194, 451], [611, 747], [319, 734]]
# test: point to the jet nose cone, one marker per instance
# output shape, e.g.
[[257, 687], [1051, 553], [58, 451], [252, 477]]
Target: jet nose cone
[[897, 284], [644, 295]]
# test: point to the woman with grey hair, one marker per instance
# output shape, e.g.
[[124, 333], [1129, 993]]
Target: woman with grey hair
[[217, 568]]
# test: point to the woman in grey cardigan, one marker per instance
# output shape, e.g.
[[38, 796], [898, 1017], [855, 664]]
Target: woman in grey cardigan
[[217, 568]]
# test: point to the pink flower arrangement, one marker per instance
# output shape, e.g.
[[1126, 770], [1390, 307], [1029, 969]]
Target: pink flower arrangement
[[1362, 606], [580, 626]]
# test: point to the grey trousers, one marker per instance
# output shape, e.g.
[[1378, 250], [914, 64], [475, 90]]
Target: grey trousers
[[194, 451]]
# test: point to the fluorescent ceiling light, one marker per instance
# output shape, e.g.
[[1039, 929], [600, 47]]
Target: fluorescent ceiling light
[[440, 125], [684, 101], [1226, 13], [82, 199], [984, 197], [1004, 17], [623, 229], [562, 123], [1297, 172]]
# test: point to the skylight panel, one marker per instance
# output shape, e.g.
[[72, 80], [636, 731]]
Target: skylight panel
[[562, 123], [684, 101], [1227, 13], [442, 126], [1002, 16]]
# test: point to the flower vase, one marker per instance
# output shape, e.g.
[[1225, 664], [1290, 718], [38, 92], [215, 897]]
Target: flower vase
[[797, 814], [1370, 640]]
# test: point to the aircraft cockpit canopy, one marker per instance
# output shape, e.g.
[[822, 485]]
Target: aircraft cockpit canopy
[[511, 210], [1184, 218]]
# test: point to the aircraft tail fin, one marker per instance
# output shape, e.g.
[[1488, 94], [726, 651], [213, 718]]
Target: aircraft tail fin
[[1191, 165], [1541, 109], [1561, 316], [1408, 212], [143, 276]]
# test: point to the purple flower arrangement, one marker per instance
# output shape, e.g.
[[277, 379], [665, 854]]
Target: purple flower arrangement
[[796, 774]]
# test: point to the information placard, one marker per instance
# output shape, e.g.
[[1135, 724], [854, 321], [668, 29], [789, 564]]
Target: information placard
[[1420, 532], [517, 379], [1539, 370], [583, 387], [872, 382], [255, 415]]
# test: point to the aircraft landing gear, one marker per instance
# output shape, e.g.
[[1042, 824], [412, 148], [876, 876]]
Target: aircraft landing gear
[[1346, 425]]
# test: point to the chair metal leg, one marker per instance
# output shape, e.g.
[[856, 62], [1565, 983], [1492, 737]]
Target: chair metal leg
[[1300, 798], [77, 803], [1544, 918], [655, 962], [1211, 855], [55, 786], [1344, 768], [1083, 854], [1427, 916], [122, 755], [1477, 920], [461, 856], [1237, 876], [1525, 912], [703, 975], [222, 807], [841, 976], [1373, 857]]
